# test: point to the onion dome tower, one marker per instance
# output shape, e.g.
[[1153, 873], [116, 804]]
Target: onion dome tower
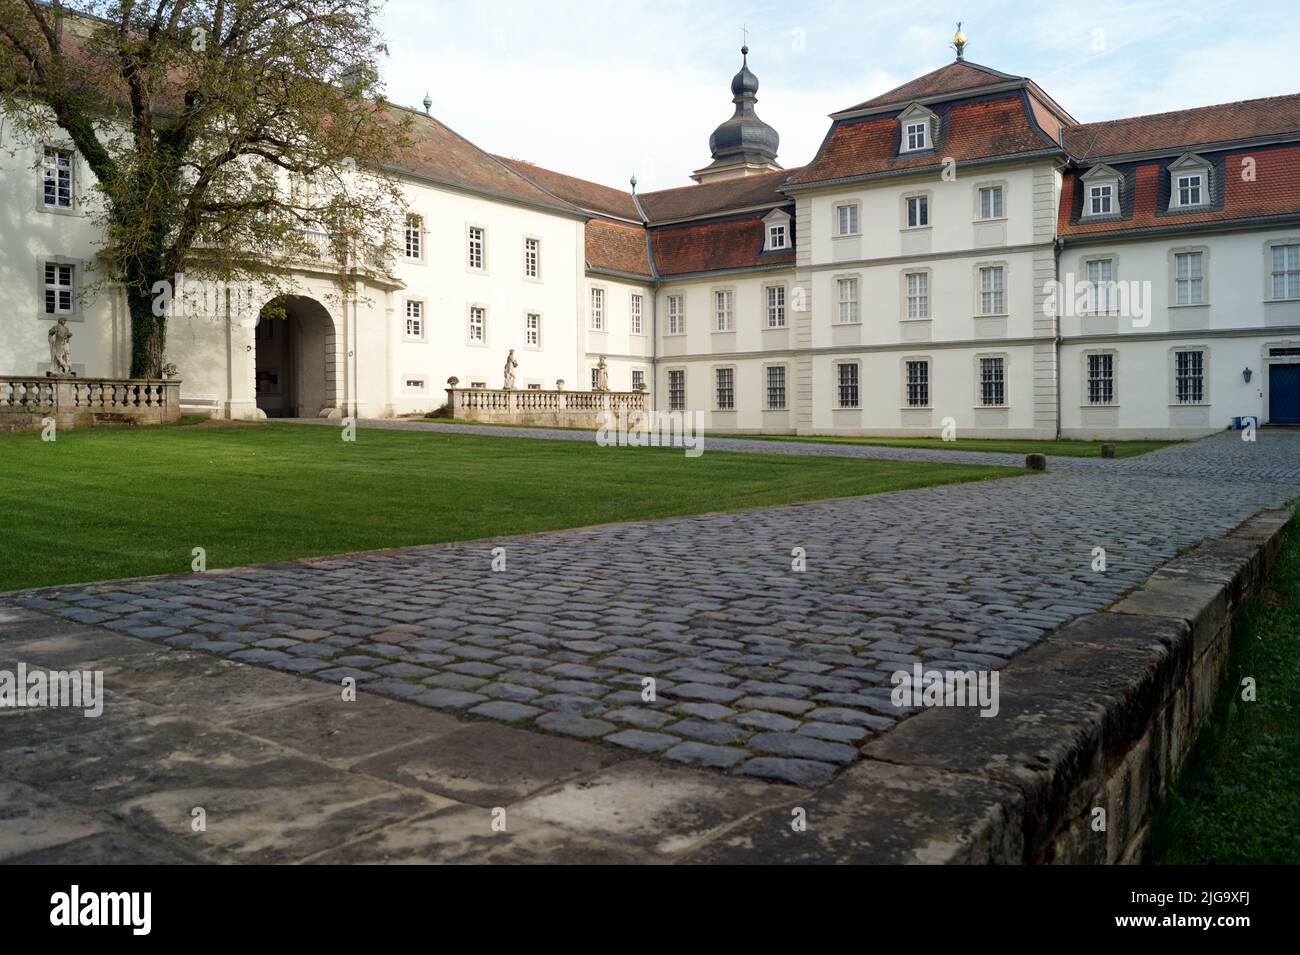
[[744, 145]]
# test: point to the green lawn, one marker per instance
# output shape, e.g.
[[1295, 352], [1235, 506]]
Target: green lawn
[[1072, 449], [1238, 798], [116, 502]]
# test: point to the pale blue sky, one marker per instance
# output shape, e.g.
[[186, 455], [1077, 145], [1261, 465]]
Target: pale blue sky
[[605, 89]]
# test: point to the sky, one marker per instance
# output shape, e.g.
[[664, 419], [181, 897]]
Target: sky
[[607, 90]]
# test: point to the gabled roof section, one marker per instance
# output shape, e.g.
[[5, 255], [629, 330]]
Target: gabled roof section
[[730, 242], [617, 247], [956, 77], [1186, 129], [715, 198], [591, 196]]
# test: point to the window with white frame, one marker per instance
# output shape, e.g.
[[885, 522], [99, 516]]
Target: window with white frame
[[476, 240], [778, 235], [634, 312], [598, 310], [725, 379], [57, 178], [918, 211], [847, 385], [532, 258], [638, 379], [918, 382], [846, 218], [595, 378], [1285, 271], [918, 294], [776, 306], [993, 381], [59, 289], [414, 318], [414, 245], [848, 300], [1189, 189], [477, 324], [1189, 377], [916, 135], [1100, 290], [676, 315], [991, 206], [776, 387], [1189, 278], [1101, 199], [1101, 379], [533, 330], [724, 310], [677, 390], [993, 298]]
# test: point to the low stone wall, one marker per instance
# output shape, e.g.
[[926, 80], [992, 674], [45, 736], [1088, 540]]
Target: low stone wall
[[25, 403], [1099, 715], [563, 409]]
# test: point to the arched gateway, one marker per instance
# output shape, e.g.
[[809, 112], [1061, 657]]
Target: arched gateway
[[297, 369]]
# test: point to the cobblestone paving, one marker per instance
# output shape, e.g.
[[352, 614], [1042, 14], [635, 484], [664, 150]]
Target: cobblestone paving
[[759, 669]]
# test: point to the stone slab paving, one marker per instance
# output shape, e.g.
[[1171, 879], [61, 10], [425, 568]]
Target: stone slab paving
[[759, 669]]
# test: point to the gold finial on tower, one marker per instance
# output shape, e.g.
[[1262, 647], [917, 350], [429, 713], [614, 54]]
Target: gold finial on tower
[[959, 42]]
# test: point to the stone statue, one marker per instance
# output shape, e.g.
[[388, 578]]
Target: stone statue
[[509, 374], [602, 375], [60, 337]]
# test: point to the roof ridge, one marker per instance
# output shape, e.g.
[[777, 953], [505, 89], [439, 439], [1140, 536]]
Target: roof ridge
[[1189, 109], [511, 160], [720, 182]]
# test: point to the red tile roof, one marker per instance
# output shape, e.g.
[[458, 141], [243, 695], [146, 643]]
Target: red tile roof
[[1229, 122], [743, 192], [953, 78], [731, 243], [591, 196], [981, 128], [1274, 190], [617, 247]]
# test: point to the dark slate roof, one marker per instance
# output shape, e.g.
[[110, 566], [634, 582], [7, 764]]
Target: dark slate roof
[[708, 198], [954, 78]]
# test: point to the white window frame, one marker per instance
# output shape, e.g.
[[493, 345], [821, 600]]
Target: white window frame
[[476, 248], [1189, 190], [596, 300], [769, 387], [636, 313], [1284, 272], [676, 402], [476, 331], [916, 208], [1176, 377], [533, 330], [919, 298], [775, 311], [985, 297], [778, 236], [724, 309], [997, 207], [917, 385], [1089, 391], [676, 309], [420, 318], [58, 288], [532, 258], [984, 382], [841, 385], [1191, 283], [852, 211], [850, 306], [916, 135], [723, 402], [1101, 297], [55, 161], [638, 379], [413, 238]]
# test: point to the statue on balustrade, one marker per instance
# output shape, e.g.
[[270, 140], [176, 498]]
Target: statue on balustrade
[[602, 375], [509, 375], [60, 337]]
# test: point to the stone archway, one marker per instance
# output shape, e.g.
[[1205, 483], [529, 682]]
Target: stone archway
[[296, 366]]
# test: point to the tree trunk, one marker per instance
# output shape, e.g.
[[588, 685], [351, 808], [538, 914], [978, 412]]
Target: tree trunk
[[148, 335]]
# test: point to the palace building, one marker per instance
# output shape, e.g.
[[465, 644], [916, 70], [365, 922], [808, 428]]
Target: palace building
[[960, 251]]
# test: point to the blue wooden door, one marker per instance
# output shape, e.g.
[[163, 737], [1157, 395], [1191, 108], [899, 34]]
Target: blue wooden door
[[1284, 394]]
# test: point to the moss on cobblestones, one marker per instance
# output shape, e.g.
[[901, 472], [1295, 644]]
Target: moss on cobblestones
[[1238, 799], [108, 503]]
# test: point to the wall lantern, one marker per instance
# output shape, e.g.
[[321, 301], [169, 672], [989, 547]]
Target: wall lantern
[[1246, 373]]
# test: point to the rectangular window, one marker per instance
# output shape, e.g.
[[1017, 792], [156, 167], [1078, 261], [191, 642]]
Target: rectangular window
[[726, 382], [635, 314], [415, 384], [918, 295], [1101, 286], [918, 211], [477, 324], [723, 309], [1101, 379], [916, 135], [595, 379], [1189, 190], [848, 289], [638, 379], [532, 258], [476, 241], [991, 202], [776, 306], [1189, 377], [414, 318], [414, 236], [58, 289], [992, 291], [676, 315], [598, 310], [1189, 278], [1101, 199], [847, 375], [846, 218], [1286, 271], [918, 384], [776, 236], [533, 330], [993, 382], [776, 387], [676, 390], [58, 178]]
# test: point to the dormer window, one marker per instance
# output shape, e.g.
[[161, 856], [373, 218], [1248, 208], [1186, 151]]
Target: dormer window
[[1101, 199], [777, 237], [1189, 190], [1101, 196], [917, 127], [1189, 182], [916, 138], [776, 231]]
